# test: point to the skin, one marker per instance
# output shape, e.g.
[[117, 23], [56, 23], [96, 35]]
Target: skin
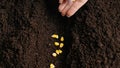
[[69, 8]]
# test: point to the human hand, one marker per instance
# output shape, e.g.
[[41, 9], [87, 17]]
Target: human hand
[[70, 7]]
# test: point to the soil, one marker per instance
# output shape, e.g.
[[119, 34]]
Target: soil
[[92, 35]]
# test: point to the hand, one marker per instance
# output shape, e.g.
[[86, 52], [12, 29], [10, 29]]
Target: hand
[[70, 7]]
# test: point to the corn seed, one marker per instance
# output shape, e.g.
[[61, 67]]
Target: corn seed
[[55, 36], [62, 39], [61, 45], [56, 43], [57, 51], [52, 65], [60, 51], [54, 54]]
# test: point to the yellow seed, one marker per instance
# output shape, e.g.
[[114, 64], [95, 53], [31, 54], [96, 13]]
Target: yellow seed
[[55, 36], [61, 45], [60, 51], [52, 65], [56, 43], [57, 52], [62, 39], [54, 54]]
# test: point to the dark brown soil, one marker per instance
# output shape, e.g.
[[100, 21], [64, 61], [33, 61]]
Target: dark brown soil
[[92, 35]]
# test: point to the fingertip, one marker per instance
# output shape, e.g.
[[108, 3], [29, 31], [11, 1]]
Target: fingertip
[[62, 6], [59, 9], [60, 1], [69, 14], [75, 7]]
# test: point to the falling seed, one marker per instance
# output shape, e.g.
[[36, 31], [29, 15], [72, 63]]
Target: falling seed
[[54, 54], [57, 52], [56, 43], [61, 45], [55, 36], [60, 51], [62, 39], [52, 65]]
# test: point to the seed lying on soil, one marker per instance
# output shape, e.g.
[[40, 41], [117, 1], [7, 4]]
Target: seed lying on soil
[[54, 54], [56, 43], [55, 36], [62, 39], [57, 52], [61, 45], [52, 65], [60, 51]]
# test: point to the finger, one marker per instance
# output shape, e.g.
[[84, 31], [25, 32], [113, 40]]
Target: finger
[[67, 7], [75, 7], [60, 1], [62, 6]]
